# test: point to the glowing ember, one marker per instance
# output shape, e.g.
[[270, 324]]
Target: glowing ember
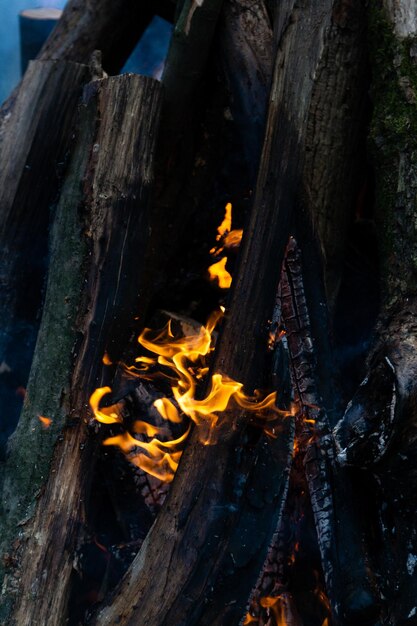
[[45, 421], [184, 358], [106, 359], [219, 273]]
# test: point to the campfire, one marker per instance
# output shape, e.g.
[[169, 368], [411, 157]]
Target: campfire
[[209, 401]]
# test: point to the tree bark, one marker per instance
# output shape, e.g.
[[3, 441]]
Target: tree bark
[[34, 142], [378, 428], [246, 55], [92, 293], [170, 579]]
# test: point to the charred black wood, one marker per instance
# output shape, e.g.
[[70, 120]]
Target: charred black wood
[[377, 433], [338, 531]]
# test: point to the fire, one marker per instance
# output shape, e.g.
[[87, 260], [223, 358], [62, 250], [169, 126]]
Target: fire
[[45, 421], [219, 273], [226, 238], [185, 360], [226, 225], [276, 606]]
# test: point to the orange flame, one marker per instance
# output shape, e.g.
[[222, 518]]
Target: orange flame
[[219, 273], [185, 359], [276, 606], [45, 421], [106, 359], [233, 239]]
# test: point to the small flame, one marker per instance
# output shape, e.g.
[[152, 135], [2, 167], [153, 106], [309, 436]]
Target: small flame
[[185, 360], [45, 421], [107, 415], [226, 225], [226, 238], [219, 273], [276, 606], [106, 359]]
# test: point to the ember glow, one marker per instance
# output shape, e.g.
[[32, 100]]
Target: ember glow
[[182, 361], [45, 421], [276, 609]]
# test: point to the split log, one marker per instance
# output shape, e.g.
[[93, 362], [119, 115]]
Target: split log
[[246, 54], [34, 142], [91, 299], [335, 144], [185, 572], [378, 428]]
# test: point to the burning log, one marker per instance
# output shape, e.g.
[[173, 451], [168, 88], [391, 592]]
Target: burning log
[[195, 510], [338, 530], [92, 294]]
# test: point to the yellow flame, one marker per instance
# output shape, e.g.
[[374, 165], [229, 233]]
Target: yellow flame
[[106, 415], [185, 359], [159, 458], [226, 224], [45, 421], [219, 273]]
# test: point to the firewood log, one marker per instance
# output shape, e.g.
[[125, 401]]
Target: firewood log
[[378, 429], [34, 141], [92, 294]]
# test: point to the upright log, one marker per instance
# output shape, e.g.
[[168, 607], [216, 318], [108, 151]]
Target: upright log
[[183, 557], [246, 55], [92, 294], [34, 142], [378, 428]]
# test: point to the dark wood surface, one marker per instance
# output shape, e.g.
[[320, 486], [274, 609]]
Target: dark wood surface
[[92, 293]]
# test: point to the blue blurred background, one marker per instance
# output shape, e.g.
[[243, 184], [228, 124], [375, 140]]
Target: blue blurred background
[[147, 58]]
